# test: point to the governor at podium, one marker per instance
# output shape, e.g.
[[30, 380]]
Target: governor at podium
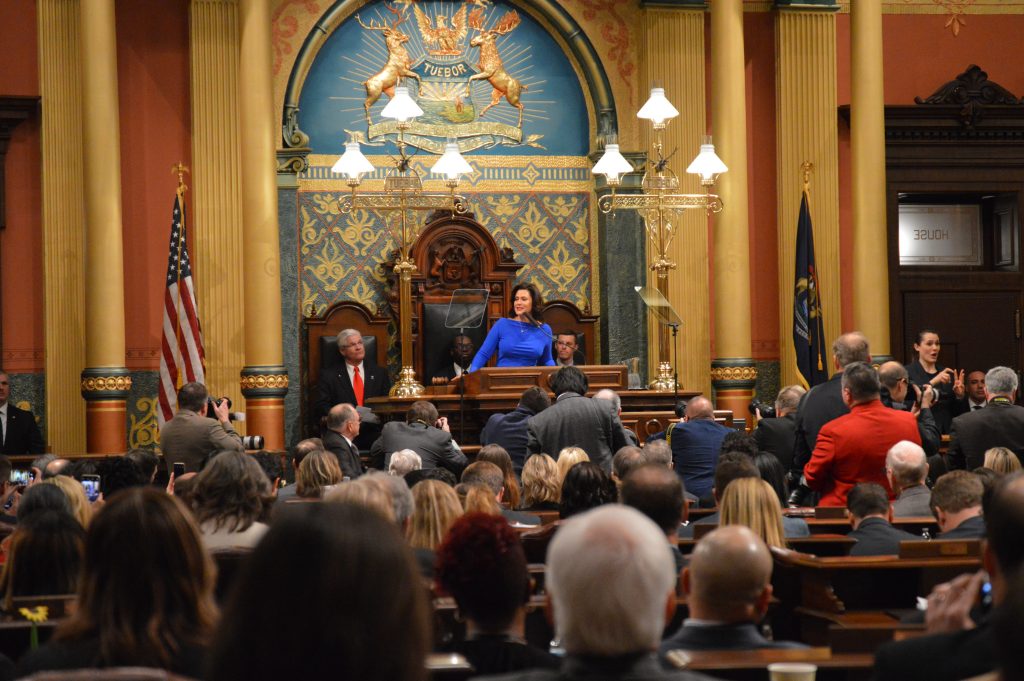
[[521, 339]]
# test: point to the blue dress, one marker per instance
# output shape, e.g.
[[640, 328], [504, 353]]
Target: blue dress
[[518, 344]]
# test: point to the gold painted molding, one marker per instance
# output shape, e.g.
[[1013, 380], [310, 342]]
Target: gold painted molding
[[262, 381], [733, 374], [105, 383]]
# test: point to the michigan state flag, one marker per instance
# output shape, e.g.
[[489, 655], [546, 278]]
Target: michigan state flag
[[808, 329]]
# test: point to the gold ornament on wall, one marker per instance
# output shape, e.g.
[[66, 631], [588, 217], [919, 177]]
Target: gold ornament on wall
[[144, 430]]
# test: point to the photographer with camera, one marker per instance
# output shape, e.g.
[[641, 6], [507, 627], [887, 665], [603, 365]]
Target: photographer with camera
[[424, 433], [776, 428], [190, 437]]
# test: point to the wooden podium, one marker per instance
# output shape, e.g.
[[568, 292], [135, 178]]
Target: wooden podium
[[494, 390]]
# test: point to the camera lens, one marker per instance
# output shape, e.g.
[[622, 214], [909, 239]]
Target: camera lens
[[252, 441]]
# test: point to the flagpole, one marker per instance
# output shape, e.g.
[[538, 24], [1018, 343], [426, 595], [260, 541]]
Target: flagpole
[[180, 169]]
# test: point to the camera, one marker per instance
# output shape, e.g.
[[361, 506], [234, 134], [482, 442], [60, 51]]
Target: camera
[[211, 403], [767, 408], [252, 441]]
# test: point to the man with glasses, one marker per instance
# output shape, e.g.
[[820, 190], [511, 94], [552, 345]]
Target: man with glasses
[[897, 395]]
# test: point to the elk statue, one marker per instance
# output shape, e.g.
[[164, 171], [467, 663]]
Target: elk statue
[[491, 67], [397, 64]]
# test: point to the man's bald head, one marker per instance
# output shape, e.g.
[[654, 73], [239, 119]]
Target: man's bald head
[[700, 408], [851, 347], [906, 464], [729, 576]]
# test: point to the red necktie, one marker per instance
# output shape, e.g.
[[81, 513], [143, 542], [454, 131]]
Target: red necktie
[[357, 385]]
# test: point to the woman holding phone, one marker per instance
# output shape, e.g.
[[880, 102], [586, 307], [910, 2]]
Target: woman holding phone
[[947, 383], [522, 339]]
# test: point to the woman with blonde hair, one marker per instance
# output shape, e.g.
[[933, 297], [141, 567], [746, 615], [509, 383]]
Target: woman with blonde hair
[[567, 458], [318, 470], [478, 499], [541, 491], [752, 502], [435, 506], [1001, 460], [498, 455], [73, 490]]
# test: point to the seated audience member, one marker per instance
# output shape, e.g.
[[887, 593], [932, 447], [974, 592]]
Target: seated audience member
[[146, 593], [424, 433], [509, 430], [442, 474], [625, 460], [657, 492], [613, 397], [959, 646], [190, 437], [147, 461], [774, 473], [988, 478], [482, 566], [398, 493], [43, 498], [777, 436], [346, 572], [478, 498], [567, 458], [118, 473], [228, 501], [541, 490], [435, 506], [695, 443], [318, 471], [597, 563], [1001, 460], [738, 441], [490, 476], [586, 486], [369, 493], [81, 508], [10, 493], [1006, 631], [897, 393], [868, 504], [751, 502], [404, 461], [461, 352], [956, 503], [303, 448], [906, 468], [44, 557], [659, 452], [38, 465], [340, 430], [497, 455], [272, 465], [728, 589]]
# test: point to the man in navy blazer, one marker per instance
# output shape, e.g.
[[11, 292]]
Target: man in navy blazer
[[695, 443], [20, 432], [509, 430], [868, 504]]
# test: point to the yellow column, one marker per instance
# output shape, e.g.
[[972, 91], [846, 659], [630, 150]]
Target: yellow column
[[674, 56], [733, 373], [867, 183], [216, 207], [105, 380], [264, 378], [806, 131], [63, 240]]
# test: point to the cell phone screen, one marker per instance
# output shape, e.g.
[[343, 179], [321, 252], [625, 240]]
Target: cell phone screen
[[21, 477], [179, 469], [91, 485]]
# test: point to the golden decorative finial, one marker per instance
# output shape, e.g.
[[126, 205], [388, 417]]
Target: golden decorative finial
[[807, 168], [180, 169]]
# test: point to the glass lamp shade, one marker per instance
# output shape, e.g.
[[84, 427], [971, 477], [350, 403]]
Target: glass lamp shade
[[657, 108], [401, 107], [612, 163], [707, 164], [451, 164], [352, 163]]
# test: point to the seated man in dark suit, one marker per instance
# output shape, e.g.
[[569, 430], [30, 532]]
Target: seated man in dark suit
[[868, 504], [960, 640], [341, 428], [956, 503], [777, 436], [461, 351], [301, 450], [728, 588], [907, 469], [509, 430], [19, 433], [999, 424], [352, 381], [657, 492], [695, 443], [424, 433]]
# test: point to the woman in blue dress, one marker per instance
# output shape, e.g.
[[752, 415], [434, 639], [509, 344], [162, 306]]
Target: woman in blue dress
[[521, 339]]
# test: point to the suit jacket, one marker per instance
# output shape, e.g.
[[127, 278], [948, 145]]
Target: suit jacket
[[334, 386], [913, 501], [434, 446], [938, 657], [22, 435], [348, 456], [818, 406], [739, 636], [999, 424], [695, 446], [575, 420], [509, 431], [778, 437], [191, 438], [852, 449], [972, 528], [876, 537]]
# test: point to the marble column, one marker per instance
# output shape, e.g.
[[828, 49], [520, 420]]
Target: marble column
[[105, 379], [264, 379]]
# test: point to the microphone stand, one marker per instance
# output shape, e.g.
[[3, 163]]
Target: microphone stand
[[462, 398], [675, 359]]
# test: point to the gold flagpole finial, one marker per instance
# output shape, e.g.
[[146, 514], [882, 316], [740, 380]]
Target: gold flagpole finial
[[807, 168], [180, 169]]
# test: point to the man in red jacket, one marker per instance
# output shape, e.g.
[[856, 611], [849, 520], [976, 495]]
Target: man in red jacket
[[852, 448]]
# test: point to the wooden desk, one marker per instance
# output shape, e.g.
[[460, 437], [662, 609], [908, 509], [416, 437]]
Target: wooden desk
[[741, 665]]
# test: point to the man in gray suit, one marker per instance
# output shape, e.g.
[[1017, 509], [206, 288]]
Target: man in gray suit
[[575, 420], [906, 467], [424, 433], [190, 437]]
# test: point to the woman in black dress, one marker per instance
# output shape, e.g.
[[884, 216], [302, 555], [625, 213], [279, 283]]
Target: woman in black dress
[[948, 383]]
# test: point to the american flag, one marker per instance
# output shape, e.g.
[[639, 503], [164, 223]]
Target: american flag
[[181, 354]]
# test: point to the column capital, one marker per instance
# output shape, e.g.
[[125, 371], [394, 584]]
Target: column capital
[[264, 381], [106, 383], [733, 373]]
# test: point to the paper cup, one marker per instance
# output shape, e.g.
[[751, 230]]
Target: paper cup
[[791, 671]]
